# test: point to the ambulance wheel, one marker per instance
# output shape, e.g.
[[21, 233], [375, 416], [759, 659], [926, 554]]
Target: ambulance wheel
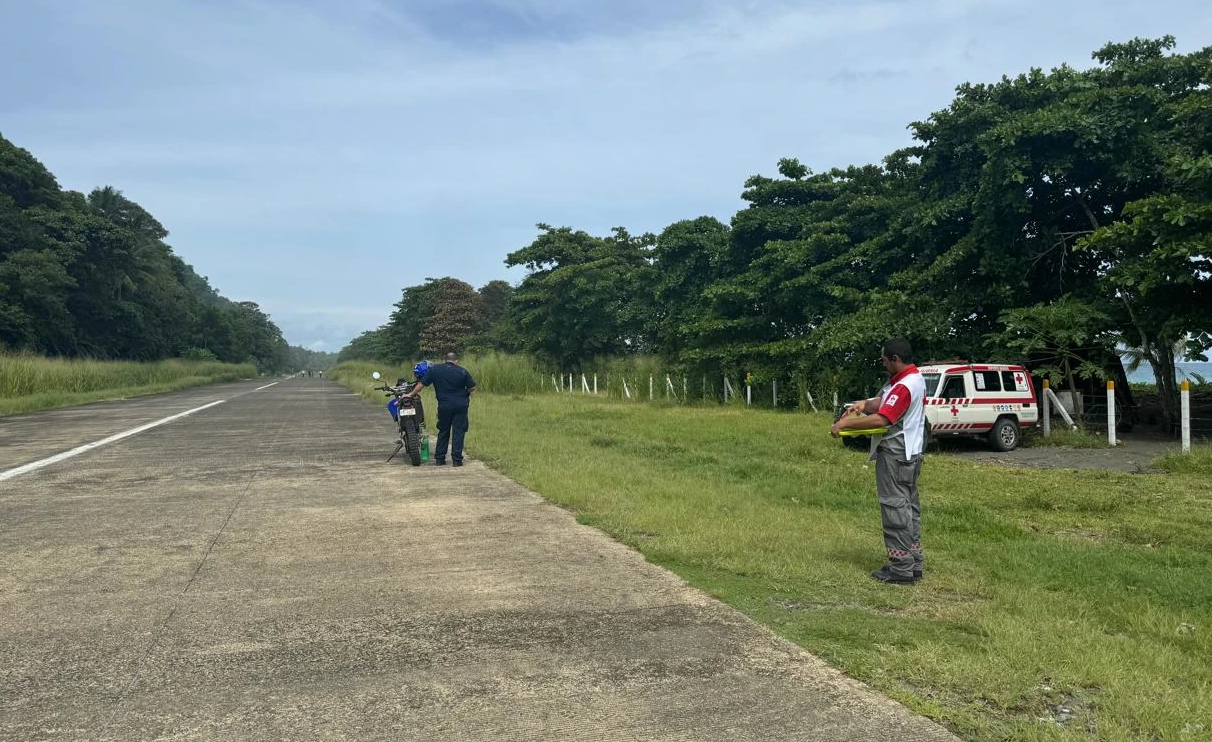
[[931, 440], [1005, 434]]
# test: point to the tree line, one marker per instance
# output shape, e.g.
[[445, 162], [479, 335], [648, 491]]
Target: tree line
[[92, 276], [435, 317], [1053, 217]]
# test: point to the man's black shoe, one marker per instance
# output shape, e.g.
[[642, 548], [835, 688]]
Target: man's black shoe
[[917, 575], [458, 463], [883, 574], [439, 462]]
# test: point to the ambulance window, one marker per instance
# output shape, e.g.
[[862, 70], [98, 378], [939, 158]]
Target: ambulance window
[[987, 381], [954, 388], [1008, 382], [931, 383]]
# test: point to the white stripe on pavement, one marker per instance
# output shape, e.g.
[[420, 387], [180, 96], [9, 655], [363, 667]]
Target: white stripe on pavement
[[18, 471], [264, 387]]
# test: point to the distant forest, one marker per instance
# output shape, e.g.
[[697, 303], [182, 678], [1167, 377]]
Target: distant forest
[[92, 276]]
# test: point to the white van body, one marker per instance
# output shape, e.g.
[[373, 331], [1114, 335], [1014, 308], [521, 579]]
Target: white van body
[[990, 400]]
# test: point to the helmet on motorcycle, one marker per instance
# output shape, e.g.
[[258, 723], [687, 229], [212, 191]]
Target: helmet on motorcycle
[[420, 369]]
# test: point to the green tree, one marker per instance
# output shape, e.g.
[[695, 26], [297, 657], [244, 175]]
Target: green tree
[[688, 257], [495, 296], [456, 315], [372, 345], [1059, 337], [402, 333], [585, 296]]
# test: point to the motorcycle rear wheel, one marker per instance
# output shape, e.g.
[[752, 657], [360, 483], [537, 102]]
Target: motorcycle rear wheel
[[412, 440]]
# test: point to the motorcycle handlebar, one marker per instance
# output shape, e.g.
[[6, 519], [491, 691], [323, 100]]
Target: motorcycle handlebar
[[390, 389]]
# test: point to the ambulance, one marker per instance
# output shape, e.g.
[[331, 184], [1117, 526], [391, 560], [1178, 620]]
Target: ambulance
[[986, 400]]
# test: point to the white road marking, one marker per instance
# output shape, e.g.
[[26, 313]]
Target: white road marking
[[18, 471], [264, 387]]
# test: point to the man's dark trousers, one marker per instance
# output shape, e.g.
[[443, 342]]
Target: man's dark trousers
[[451, 420]]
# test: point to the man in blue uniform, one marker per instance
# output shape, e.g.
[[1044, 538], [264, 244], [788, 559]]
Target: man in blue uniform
[[452, 385]]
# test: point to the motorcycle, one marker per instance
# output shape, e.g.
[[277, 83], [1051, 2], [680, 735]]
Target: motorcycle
[[409, 416]]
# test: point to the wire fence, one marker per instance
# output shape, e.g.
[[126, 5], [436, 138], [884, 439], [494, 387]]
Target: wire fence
[[1107, 414], [686, 389]]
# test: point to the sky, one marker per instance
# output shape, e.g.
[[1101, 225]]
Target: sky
[[317, 156]]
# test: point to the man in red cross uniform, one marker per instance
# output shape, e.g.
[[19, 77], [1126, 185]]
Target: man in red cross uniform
[[898, 458]]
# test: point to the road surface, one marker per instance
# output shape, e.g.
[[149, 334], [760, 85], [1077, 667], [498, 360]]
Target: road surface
[[254, 570]]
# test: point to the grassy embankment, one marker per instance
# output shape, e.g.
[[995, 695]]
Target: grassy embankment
[[30, 383], [1057, 605]]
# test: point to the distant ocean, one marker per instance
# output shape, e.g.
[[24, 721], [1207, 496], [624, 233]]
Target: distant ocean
[[1185, 371]]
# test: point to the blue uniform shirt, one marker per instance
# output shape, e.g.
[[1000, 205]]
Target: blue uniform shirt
[[451, 383]]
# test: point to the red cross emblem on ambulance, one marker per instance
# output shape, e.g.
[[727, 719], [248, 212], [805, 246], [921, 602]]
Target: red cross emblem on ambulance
[[954, 411], [1018, 379]]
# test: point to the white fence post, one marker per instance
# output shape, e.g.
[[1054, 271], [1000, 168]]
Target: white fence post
[[728, 394], [669, 391], [595, 383], [685, 394], [835, 399], [1046, 413], [649, 387], [1110, 412], [556, 384], [748, 394], [811, 401], [1185, 416], [585, 383], [626, 391], [774, 392]]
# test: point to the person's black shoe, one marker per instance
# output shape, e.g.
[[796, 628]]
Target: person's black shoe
[[439, 462], [458, 463], [883, 574], [917, 575]]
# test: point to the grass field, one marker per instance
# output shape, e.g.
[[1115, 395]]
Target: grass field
[[1057, 605], [30, 383]]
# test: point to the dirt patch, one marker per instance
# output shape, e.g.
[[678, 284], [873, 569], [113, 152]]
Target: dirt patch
[[1136, 454]]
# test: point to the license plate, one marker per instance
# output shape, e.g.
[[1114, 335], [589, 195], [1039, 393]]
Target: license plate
[[406, 411]]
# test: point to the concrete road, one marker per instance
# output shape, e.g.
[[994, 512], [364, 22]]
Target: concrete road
[[255, 571]]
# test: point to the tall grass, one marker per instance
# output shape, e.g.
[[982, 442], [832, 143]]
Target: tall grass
[[29, 382], [1197, 462]]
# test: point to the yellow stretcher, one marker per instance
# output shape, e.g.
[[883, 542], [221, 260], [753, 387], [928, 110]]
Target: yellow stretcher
[[848, 433]]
